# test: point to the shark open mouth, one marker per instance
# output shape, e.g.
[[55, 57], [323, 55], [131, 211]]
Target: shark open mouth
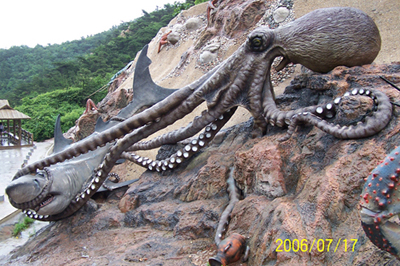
[[47, 200], [32, 211], [41, 200]]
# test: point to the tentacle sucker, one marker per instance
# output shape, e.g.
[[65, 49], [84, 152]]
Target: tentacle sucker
[[372, 124]]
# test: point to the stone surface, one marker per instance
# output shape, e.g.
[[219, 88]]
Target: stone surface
[[173, 37], [280, 14], [193, 24]]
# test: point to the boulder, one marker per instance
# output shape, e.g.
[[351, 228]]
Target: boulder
[[173, 37], [280, 14], [193, 24]]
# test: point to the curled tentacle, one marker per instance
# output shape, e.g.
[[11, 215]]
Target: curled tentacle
[[281, 118], [115, 179], [184, 153], [175, 136], [372, 124]]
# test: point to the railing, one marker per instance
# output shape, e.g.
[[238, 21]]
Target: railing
[[26, 137], [8, 139]]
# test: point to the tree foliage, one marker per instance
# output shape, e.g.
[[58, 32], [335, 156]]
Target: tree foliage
[[196, 2], [43, 82], [44, 108], [183, 6]]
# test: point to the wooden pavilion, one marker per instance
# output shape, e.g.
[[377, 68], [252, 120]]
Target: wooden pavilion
[[13, 136]]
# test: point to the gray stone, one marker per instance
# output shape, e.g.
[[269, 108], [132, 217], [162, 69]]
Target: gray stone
[[173, 37], [281, 14], [193, 24], [214, 47], [207, 57]]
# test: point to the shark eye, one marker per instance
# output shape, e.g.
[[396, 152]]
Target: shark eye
[[40, 174]]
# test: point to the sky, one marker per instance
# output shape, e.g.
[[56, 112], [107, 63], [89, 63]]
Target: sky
[[32, 22]]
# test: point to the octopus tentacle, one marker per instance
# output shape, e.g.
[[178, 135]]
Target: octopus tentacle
[[175, 136], [276, 117], [115, 180], [223, 101], [226, 98], [234, 196], [255, 93], [176, 99], [372, 124], [234, 84], [185, 153]]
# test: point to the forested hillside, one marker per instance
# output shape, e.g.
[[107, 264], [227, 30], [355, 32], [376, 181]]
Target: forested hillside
[[87, 63], [46, 81], [20, 64]]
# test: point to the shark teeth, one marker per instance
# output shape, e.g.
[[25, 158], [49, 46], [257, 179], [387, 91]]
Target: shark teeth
[[49, 198]]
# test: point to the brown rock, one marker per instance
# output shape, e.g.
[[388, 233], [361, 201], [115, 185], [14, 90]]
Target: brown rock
[[85, 125], [268, 179], [233, 19], [114, 102]]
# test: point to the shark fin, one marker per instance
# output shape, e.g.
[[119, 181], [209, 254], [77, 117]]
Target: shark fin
[[113, 186], [120, 161], [101, 125], [145, 92], [60, 143]]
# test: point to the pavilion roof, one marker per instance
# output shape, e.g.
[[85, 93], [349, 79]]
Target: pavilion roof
[[8, 113]]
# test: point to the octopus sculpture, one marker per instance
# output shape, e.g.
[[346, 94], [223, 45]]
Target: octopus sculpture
[[321, 40]]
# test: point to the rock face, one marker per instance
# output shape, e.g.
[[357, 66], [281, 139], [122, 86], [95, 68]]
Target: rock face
[[307, 188]]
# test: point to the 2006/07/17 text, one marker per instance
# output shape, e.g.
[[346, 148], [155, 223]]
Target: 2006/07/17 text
[[321, 245]]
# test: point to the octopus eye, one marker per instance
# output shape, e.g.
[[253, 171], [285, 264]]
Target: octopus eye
[[260, 39], [256, 42]]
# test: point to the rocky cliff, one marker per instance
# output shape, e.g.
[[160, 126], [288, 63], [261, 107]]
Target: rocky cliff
[[305, 189]]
